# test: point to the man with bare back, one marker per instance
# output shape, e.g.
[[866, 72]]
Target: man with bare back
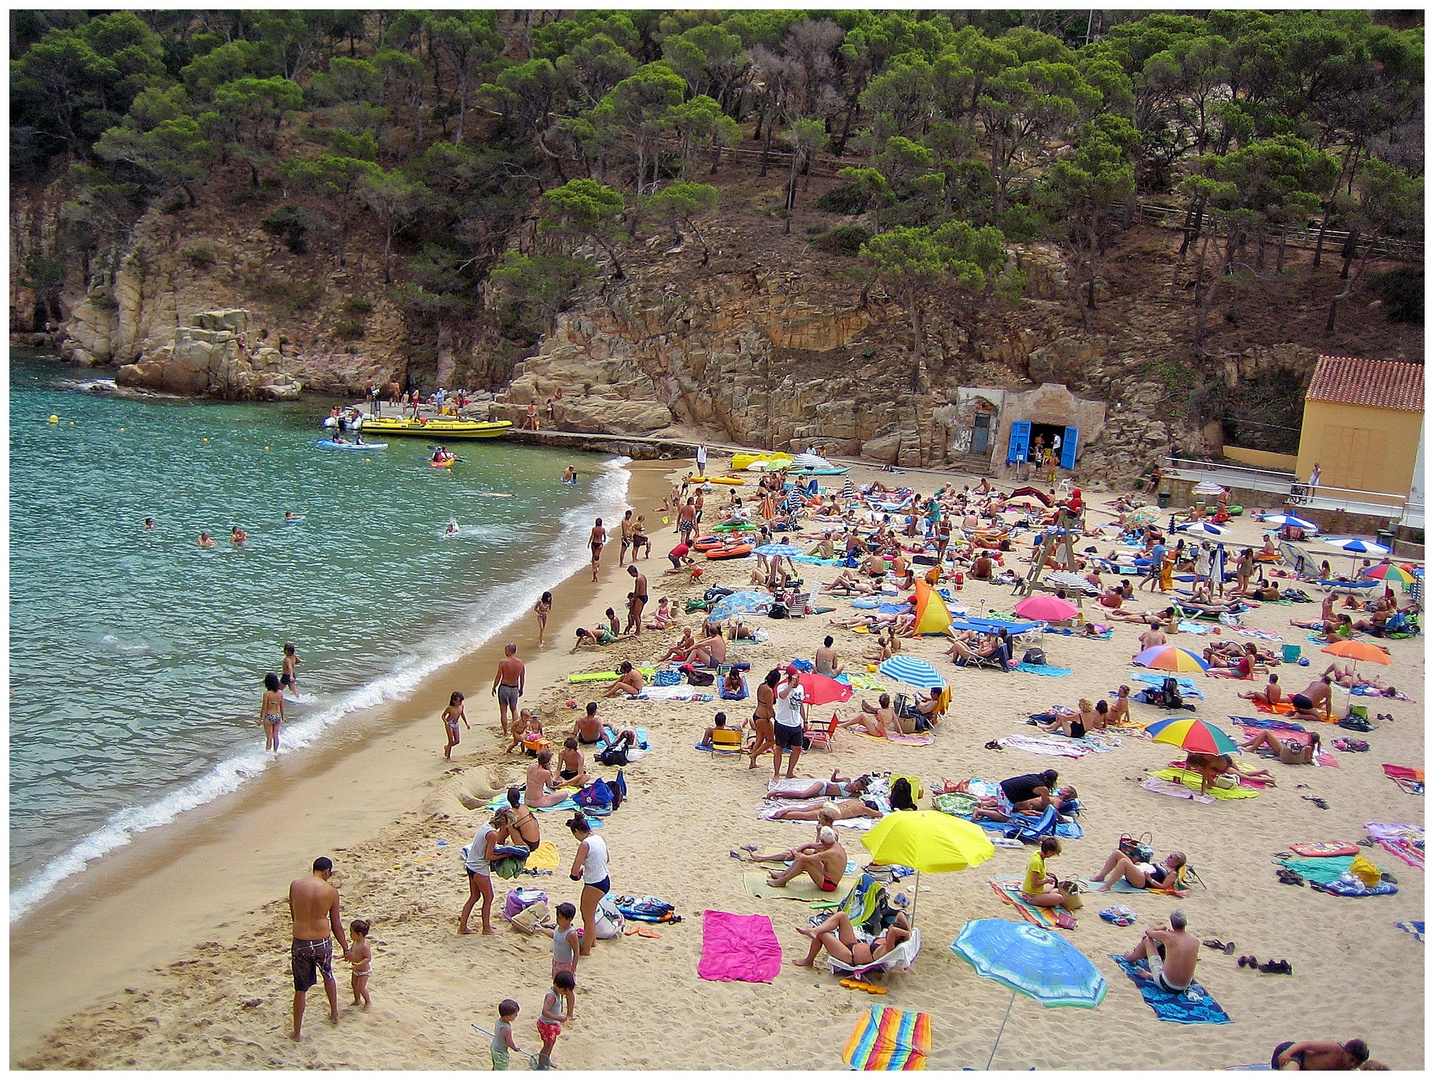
[[508, 684], [314, 904]]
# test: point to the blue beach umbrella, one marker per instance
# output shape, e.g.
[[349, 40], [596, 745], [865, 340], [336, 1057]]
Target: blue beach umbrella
[[1292, 521], [914, 672], [1355, 546], [778, 549], [746, 602], [1200, 526], [1030, 961]]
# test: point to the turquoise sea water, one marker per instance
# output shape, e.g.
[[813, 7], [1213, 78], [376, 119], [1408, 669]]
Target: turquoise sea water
[[137, 658]]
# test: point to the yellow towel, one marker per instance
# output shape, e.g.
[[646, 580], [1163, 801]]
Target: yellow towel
[[545, 858], [1192, 780]]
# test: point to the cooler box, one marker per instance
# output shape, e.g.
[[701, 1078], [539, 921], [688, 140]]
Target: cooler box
[[1290, 654]]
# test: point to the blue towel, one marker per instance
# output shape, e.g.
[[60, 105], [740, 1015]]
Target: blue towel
[[642, 743], [1044, 669], [1272, 725], [1415, 928], [1176, 1008], [1187, 687]]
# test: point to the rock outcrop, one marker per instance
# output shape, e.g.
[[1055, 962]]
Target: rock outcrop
[[213, 358]]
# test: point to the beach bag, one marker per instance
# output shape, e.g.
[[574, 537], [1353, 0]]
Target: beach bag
[[698, 678], [1071, 891], [1170, 696], [595, 794], [1137, 848], [1034, 656], [521, 898], [531, 917], [777, 611], [1356, 723], [901, 794], [607, 921], [613, 755], [645, 909], [667, 677], [694, 604]]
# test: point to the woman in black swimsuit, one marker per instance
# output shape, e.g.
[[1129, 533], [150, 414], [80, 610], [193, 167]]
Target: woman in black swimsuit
[[524, 824], [844, 945]]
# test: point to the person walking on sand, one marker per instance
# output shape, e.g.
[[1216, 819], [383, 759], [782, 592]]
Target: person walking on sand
[[637, 603], [701, 459], [451, 715], [789, 723], [542, 609], [508, 685], [314, 906], [271, 712], [764, 716], [596, 539]]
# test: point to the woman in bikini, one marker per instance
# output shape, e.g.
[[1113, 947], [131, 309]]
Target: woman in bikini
[[841, 942], [271, 712], [524, 825], [765, 715], [451, 716], [541, 774], [1141, 875], [835, 788]]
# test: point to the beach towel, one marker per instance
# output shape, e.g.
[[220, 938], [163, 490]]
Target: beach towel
[[1355, 888], [1048, 670], [668, 693], [1415, 928], [1193, 1005], [566, 804], [1268, 725], [642, 743], [803, 888], [738, 948], [898, 737], [1322, 870], [544, 858], [1097, 742], [1304, 738], [1406, 841], [1192, 780], [889, 1040], [1009, 890], [1282, 708], [768, 812], [1365, 690], [1188, 627], [726, 696], [1048, 747], [860, 680], [1174, 789], [1411, 780]]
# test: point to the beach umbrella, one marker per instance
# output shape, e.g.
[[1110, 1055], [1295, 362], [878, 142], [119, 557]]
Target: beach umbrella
[[1192, 736], [745, 602], [1202, 527], [909, 669], [1031, 961], [928, 841], [1069, 579], [1169, 658], [1292, 521], [823, 689], [1358, 650], [1353, 545], [1208, 487], [932, 614], [1047, 608], [1143, 515], [1387, 571], [778, 549]]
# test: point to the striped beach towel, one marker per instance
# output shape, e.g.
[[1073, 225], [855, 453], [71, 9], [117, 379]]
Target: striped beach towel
[[889, 1040]]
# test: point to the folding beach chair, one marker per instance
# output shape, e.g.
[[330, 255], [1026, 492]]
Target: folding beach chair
[[824, 737], [899, 959], [726, 741]]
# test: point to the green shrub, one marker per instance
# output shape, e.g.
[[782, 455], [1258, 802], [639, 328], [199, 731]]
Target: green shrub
[[200, 258], [842, 240], [348, 329], [847, 199], [358, 305], [1402, 292], [292, 223]]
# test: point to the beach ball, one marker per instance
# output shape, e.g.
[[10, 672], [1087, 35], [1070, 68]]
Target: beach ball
[[54, 419]]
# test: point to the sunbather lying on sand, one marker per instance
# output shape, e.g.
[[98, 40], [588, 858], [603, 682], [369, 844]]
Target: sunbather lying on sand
[[1287, 750], [1141, 875], [845, 809], [1209, 766], [835, 788], [841, 942]]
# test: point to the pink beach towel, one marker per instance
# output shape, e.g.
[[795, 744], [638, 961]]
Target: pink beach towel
[[738, 948]]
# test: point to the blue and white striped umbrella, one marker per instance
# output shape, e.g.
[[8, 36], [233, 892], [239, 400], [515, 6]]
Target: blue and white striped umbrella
[[778, 549], [1355, 546], [746, 602], [1291, 521], [914, 672], [1199, 526]]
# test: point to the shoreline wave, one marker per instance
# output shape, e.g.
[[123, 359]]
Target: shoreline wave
[[500, 609]]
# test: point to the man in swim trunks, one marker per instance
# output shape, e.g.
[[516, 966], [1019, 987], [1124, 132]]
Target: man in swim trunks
[[839, 938], [1172, 955], [638, 601], [508, 685], [314, 905], [625, 528], [825, 865], [596, 539], [589, 730], [1323, 1056], [1315, 694], [687, 519]]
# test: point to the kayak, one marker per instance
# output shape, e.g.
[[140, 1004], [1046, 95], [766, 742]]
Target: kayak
[[329, 444], [832, 470], [438, 430], [441, 464], [735, 481]]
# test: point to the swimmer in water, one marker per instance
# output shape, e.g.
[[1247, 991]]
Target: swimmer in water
[[148, 523], [289, 515], [452, 529], [570, 475], [237, 536], [205, 540]]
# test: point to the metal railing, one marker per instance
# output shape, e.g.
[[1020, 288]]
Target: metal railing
[[1294, 491]]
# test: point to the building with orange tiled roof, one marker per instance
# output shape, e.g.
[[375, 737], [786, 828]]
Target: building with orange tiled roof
[[1363, 424]]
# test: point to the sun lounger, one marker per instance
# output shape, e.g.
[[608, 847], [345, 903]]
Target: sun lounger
[[899, 959]]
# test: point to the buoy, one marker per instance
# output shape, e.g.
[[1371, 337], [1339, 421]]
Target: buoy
[[206, 440], [72, 423], [264, 447], [54, 419], [121, 429]]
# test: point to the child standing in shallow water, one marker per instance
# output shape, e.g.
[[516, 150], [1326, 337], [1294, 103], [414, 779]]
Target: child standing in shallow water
[[451, 716], [290, 678], [360, 956], [271, 712]]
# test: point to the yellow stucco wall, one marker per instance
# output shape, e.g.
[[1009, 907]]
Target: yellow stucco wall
[[1262, 459], [1359, 446]]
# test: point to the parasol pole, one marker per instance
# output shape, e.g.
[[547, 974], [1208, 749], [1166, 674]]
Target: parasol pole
[[915, 884], [1001, 1031]]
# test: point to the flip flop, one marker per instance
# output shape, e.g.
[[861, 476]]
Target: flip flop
[[748, 847], [737, 856], [1214, 943], [643, 931]]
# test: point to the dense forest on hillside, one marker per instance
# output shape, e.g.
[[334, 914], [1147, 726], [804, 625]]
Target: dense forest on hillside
[[955, 134]]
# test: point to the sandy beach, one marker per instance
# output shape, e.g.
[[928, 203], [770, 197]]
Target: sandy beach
[[182, 939]]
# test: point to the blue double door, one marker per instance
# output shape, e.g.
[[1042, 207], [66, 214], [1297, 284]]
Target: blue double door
[[1023, 434]]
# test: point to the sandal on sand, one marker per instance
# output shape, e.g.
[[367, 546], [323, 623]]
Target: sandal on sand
[[1247, 961], [994, 745], [1214, 943], [1288, 876], [643, 931]]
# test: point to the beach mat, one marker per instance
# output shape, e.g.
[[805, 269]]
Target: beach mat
[[1009, 890], [738, 948], [1323, 870], [1410, 780], [889, 1040], [1405, 841], [544, 858], [1192, 781], [802, 888], [1048, 670], [898, 737], [1412, 927], [1045, 747], [1192, 1006]]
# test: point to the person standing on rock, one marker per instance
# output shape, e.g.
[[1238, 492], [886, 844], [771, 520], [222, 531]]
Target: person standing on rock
[[702, 459], [314, 905]]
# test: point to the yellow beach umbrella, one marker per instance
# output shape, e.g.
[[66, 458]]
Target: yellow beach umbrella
[[928, 841]]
